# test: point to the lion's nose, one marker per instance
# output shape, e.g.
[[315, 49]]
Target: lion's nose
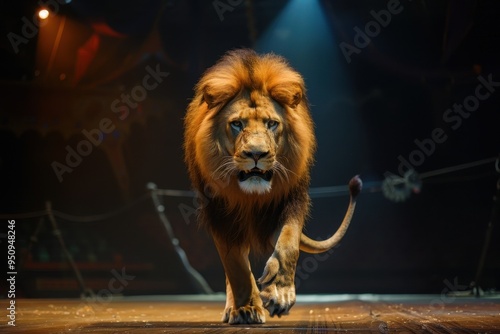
[[255, 155]]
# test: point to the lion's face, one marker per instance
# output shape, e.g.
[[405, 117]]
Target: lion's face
[[253, 128]]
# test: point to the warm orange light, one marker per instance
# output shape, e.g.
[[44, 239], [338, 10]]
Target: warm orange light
[[43, 14]]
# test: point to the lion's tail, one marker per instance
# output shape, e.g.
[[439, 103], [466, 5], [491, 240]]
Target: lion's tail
[[309, 245]]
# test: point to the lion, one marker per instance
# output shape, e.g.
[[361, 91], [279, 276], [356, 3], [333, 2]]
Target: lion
[[249, 143]]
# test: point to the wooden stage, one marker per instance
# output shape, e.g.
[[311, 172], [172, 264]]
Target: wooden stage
[[311, 314]]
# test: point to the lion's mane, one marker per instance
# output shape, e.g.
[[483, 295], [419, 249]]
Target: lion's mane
[[237, 75]]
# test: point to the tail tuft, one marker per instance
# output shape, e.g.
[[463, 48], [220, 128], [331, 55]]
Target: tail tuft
[[355, 186]]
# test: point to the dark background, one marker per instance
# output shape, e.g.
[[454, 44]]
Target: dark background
[[63, 78]]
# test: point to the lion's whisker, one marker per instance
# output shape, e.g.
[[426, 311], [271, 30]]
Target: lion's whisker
[[286, 170], [281, 174], [282, 171], [225, 168]]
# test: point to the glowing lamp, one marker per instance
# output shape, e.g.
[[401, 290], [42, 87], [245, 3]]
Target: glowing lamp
[[43, 14]]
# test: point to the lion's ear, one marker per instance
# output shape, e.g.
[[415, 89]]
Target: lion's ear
[[210, 100], [287, 94], [216, 97]]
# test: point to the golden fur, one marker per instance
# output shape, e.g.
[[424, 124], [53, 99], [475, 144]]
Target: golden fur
[[249, 145]]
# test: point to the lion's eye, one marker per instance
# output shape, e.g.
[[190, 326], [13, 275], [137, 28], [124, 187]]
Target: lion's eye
[[271, 124], [237, 125]]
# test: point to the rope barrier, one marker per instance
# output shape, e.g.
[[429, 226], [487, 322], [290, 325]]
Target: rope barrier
[[394, 187], [316, 192], [458, 167], [105, 216], [57, 233]]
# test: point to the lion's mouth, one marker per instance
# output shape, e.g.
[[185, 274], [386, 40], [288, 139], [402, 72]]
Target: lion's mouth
[[245, 175]]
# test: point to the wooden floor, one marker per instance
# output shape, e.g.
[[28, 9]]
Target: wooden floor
[[311, 314]]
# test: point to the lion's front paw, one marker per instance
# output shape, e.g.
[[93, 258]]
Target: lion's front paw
[[244, 315], [278, 290], [278, 300]]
